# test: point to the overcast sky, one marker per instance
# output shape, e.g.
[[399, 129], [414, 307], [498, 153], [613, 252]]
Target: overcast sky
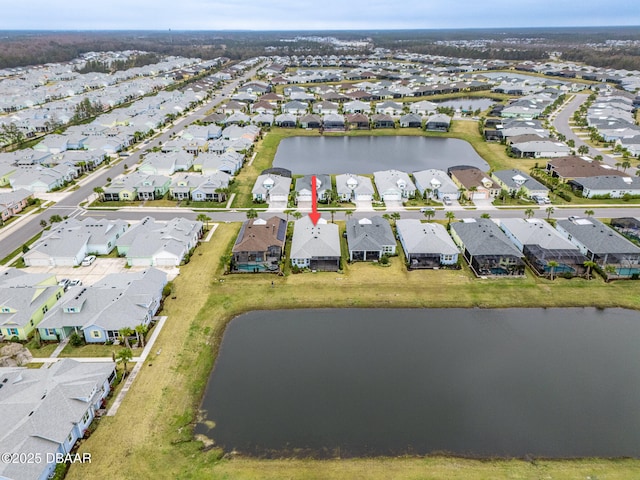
[[318, 15]]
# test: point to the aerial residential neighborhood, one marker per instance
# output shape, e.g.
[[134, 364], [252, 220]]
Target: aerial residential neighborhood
[[151, 203]]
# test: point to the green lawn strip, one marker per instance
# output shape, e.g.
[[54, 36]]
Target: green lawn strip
[[18, 250], [152, 434]]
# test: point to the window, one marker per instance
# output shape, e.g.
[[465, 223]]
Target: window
[[12, 331], [96, 334], [50, 332], [86, 417], [6, 310], [70, 438]]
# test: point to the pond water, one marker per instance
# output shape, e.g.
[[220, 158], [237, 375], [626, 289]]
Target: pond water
[[479, 382], [468, 104], [363, 155]]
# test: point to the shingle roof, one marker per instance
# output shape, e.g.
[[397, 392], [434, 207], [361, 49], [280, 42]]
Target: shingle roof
[[420, 238], [309, 241], [373, 235], [483, 237], [258, 235], [597, 237]]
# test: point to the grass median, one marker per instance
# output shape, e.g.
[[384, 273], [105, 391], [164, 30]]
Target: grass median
[[151, 436]]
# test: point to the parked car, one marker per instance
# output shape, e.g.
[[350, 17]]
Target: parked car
[[75, 283], [64, 283], [446, 201], [427, 209], [88, 260]]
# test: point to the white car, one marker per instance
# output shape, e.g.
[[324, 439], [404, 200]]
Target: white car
[[88, 260]]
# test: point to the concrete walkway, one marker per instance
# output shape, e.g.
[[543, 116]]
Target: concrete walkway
[[210, 233], [63, 343]]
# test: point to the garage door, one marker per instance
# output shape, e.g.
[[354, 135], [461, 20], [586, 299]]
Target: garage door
[[392, 197], [479, 196]]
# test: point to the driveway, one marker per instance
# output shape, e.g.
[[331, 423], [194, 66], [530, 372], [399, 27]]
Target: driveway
[[97, 271], [394, 205]]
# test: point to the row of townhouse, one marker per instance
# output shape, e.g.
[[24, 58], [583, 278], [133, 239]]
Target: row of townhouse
[[394, 185], [145, 243]]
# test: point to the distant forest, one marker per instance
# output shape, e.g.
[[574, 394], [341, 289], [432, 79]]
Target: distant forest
[[21, 48]]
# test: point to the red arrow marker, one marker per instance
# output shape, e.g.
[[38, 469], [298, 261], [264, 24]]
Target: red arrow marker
[[314, 215]]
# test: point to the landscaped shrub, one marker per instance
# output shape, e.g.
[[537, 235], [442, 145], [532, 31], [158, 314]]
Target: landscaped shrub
[[75, 339], [563, 195]]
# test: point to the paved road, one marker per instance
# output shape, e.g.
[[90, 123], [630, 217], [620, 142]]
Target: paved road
[[561, 123], [12, 238]]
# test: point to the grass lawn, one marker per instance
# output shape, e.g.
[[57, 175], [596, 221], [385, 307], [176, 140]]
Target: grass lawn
[[151, 437], [95, 350]]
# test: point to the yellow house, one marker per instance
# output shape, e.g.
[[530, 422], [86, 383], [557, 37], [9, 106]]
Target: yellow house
[[25, 298]]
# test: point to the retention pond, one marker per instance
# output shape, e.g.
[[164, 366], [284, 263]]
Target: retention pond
[[556, 383], [367, 154]]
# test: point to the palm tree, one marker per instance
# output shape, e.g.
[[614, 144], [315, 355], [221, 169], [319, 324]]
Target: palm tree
[[125, 355], [55, 218], [251, 214], [429, 213], [348, 214], [589, 213], [589, 265], [332, 212], [427, 195], [141, 331], [287, 213], [297, 215], [395, 216], [43, 223], [204, 219], [125, 333], [528, 213], [225, 260], [549, 211], [552, 264], [625, 164], [100, 192], [583, 149], [485, 215], [450, 216]]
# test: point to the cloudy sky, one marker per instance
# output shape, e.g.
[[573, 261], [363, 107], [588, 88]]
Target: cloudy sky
[[301, 15]]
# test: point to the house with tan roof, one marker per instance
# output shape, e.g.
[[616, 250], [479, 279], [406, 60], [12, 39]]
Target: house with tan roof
[[259, 246]]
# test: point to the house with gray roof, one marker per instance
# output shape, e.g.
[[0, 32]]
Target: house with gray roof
[[609, 186], [227, 161], [37, 179], [543, 148], [316, 247], [369, 239], [99, 311], [68, 242], [438, 123], [271, 188], [541, 243], [411, 120], [426, 245], [354, 188], [514, 181], [303, 189], [487, 249], [153, 243], [614, 254], [394, 185], [45, 411], [436, 184]]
